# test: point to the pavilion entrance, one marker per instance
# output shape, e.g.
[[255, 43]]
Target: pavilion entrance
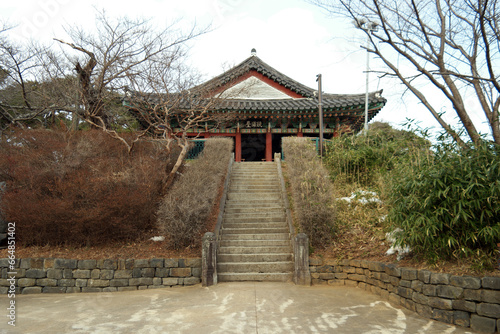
[[253, 147]]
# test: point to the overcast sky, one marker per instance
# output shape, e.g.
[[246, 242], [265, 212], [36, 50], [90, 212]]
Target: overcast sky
[[293, 36]]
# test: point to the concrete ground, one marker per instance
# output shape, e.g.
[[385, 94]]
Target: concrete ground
[[247, 307]]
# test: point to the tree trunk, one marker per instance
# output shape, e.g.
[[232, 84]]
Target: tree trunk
[[169, 177]]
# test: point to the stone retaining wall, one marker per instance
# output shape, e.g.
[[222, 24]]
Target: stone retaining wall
[[461, 300], [49, 275]]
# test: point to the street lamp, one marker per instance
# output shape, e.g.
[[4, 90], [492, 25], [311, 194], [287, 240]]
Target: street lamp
[[369, 28]]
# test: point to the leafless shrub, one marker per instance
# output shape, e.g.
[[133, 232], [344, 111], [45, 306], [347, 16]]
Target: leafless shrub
[[312, 190], [184, 211]]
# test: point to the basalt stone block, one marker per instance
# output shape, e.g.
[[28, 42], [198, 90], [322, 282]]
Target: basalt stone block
[[417, 285], [443, 316], [385, 294], [170, 281], [474, 295], [489, 310], [376, 266], [140, 281], [55, 273], [24, 282], [127, 288], [356, 277], [35, 273], [65, 282], [196, 272], [67, 273], [158, 263], [46, 282], [191, 280], [440, 303], [405, 292], [49, 263], [326, 276], [392, 270], [461, 318], [405, 283], [429, 290], [32, 290], [87, 264], [31, 263], [420, 298], [109, 289], [408, 274], [107, 264], [336, 282], [142, 287], [490, 296], [81, 282], [119, 282], [4, 263], [325, 269], [424, 276], [141, 263], [360, 271], [171, 263], [91, 289], [355, 263], [136, 272], [482, 324], [73, 289], [409, 304], [81, 273], [451, 292], [341, 275], [466, 282], [148, 272], [182, 263], [156, 281], [491, 283], [95, 273], [464, 305], [125, 264], [106, 274], [97, 283], [440, 278], [180, 272], [124, 273], [394, 298], [54, 289], [65, 264], [349, 270]]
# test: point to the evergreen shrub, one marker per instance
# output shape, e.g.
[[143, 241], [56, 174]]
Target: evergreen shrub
[[448, 205]]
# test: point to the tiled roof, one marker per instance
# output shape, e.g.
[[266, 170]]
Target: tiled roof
[[256, 64], [330, 101]]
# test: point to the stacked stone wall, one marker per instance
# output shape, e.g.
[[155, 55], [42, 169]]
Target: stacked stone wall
[[50, 275], [460, 300]]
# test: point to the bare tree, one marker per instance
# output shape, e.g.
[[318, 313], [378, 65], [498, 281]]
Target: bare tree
[[451, 44]]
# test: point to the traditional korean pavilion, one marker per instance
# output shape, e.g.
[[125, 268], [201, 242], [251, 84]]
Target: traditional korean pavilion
[[268, 105]]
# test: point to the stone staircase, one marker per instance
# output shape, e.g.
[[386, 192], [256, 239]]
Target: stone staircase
[[255, 239]]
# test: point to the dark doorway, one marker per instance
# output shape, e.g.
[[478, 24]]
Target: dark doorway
[[277, 143], [253, 147]]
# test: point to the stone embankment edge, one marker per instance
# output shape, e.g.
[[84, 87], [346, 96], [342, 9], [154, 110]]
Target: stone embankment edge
[[460, 300], [52, 275]]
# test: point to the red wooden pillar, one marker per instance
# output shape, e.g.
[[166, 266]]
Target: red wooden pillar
[[300, 134], [269, 146], [237, 147]]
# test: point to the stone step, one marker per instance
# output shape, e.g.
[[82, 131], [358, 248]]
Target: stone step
[[255, 243], [260, 217], [253, 197], [261, 230], [257, 203], [259, 277], [254, 209], [247, 189], [256, 225], [254, 250], [260, 236], [261, 257], [263, 188], [255, 267]]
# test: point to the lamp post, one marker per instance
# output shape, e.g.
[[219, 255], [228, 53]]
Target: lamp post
[[368, 27]]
